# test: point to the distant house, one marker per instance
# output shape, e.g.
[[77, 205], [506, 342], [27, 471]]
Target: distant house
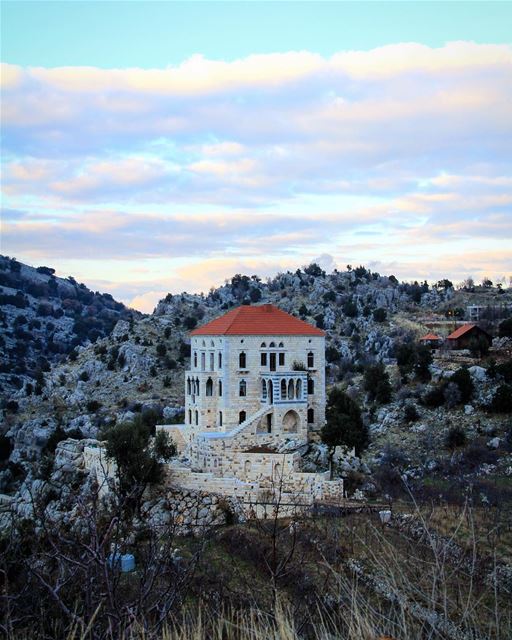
[[462, 337], [431, 340]]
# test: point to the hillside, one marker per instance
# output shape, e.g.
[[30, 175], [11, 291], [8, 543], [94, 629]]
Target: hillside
[[43, 319]]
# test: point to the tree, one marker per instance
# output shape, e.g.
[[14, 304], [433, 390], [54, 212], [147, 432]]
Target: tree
[[478, 346], [137, 458], [376, 383], [456, 437], [444, 284], [505, 328], [462, 378], [344, 424], [502, 400], [380, 315]]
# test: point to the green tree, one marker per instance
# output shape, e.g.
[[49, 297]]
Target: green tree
[[137, 456], [462, 378], [505, 328], [344, 424], [376, 383]]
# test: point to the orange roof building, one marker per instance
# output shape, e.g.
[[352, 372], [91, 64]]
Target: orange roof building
[[261, 320], [462, 336]]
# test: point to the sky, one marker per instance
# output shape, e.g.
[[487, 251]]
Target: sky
[[154, 147]]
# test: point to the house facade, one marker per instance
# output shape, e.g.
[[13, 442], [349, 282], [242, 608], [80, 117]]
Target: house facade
[[254, 394], [253, 360]]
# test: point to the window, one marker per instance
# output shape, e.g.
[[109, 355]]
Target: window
[[283, 389], [263, 359], [311, 386], [203, 361], [220, 387], [272, 344], [311, 360], [263, 390], [241, 417], [190, 416], [281, 359], [197, 417], [242, 360], [212, 361], [220, 360], [198, 390], [311, 416], [298, 389], [220, 418], [281, 345], [195, 359], [189, 388], [242, 389], [209, 387], [291, 390], [263, 345]]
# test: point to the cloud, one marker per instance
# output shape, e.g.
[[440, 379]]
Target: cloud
[[267, 158]]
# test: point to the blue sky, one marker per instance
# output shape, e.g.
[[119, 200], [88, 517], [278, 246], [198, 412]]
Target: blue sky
[[153, 147]]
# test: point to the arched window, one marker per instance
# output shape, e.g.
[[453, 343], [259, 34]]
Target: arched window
[[220, 387], [197, 417], [204, 343], [311, 416], [195, 359], [212, 343], [203, 361], [283, 389], [311, 386], [272, 345], [291, 390], [220, 418], [212, 361], [190, 416], [311, 360], [220, 360], [247, 466], [198, 389], [281, 345], [209, 387], [242, 388], [263, 345], [298, 389], [241, 417], [242, 360], [189, 387]]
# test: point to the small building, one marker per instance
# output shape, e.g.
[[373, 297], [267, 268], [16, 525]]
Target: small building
[[462, 337], [431, 340]]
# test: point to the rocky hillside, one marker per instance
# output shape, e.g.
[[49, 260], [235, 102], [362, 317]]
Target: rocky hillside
[[43, 318], [135, 364]]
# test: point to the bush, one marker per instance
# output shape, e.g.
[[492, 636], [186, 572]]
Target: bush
[[190, 322], [380, 315], [376, 383], [332, 354], [161, 349], [462, 378], [452, 396], [434, 397], [84, 376], [93, 406], [502, 400], [411, 413], [455, 438], [5, 447], [505, 328]]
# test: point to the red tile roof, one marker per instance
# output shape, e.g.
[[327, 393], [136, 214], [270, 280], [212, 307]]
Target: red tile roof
[[262, 320], [461, 331], [431, 336]]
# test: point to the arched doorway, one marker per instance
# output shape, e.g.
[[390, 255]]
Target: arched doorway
[[291, 422]]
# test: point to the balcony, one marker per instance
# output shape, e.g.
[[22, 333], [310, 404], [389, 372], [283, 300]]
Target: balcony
[[288, 387]]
